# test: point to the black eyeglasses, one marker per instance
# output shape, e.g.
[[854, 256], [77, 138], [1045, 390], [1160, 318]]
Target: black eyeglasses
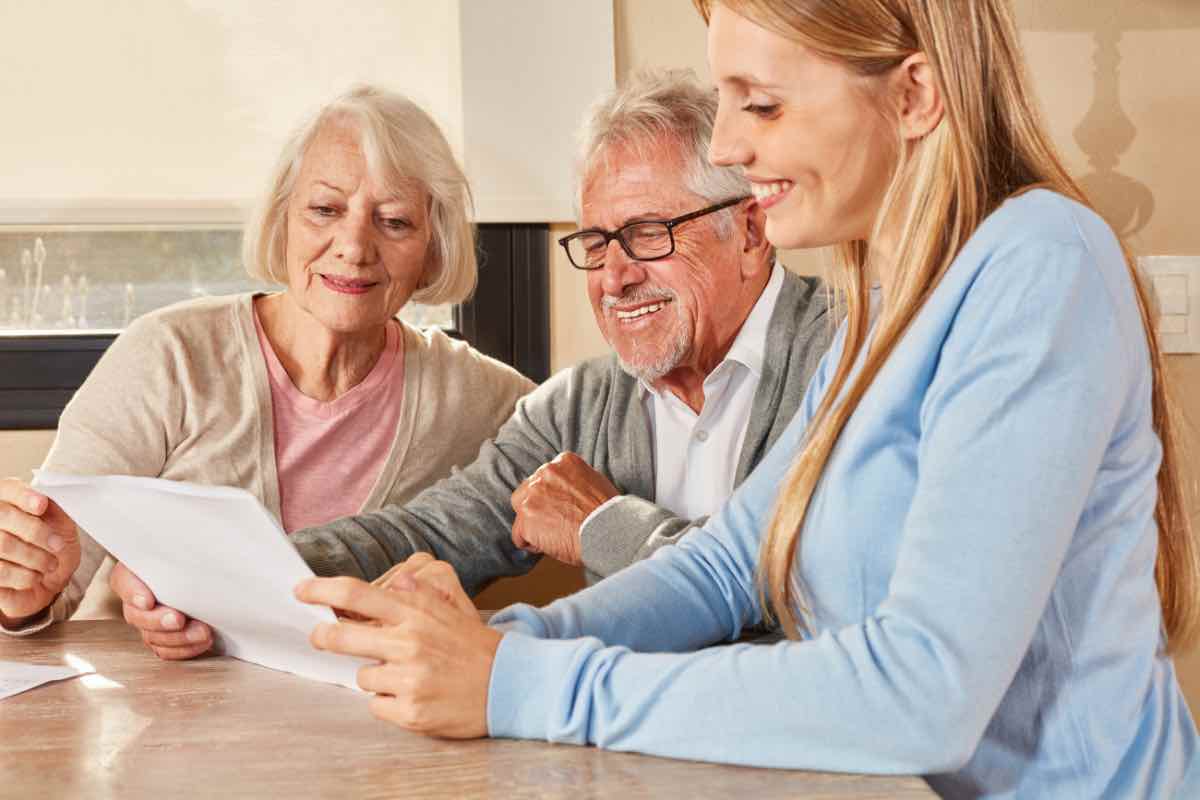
[[647, 240]]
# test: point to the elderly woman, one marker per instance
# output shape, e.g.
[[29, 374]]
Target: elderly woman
[[317, 399]]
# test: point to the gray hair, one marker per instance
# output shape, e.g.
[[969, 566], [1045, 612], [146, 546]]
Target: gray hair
[[655, 109], [400, 142]]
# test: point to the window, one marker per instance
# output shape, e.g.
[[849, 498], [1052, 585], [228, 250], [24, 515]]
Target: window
[[67, 291], [98, 279]]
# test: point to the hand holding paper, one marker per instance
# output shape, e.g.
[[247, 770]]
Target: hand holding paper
[[165, 630], [215, 554], [39, 551], [435, 654]]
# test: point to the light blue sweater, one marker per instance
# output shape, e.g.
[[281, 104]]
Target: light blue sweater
[[979, 556]]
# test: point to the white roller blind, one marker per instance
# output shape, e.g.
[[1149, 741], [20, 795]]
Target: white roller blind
[[173, 110]]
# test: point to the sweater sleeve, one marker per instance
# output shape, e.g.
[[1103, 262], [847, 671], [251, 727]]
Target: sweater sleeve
[[626, 529], [1026, 396], [123, 420], [465, 519]]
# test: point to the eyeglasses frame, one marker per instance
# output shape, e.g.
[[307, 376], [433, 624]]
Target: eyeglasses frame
[[670, 224]]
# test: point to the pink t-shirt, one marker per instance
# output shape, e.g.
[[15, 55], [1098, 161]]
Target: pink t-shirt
[[329, 455]]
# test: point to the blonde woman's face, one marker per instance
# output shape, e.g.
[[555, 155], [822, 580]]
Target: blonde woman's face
[[816, 150], [355, 250]]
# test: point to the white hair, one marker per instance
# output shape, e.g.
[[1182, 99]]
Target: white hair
[[656, 109], [401, 143]]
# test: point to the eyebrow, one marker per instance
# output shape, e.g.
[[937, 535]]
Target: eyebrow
[[331, 186], [747, 81], [645, 216]]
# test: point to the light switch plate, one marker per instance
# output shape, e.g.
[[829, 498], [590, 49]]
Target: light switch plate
[[1176, 282]]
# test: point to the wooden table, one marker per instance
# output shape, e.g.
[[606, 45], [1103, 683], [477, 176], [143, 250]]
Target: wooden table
[[218, 727]]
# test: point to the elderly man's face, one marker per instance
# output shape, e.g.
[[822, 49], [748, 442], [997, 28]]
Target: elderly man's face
[[673, 312], [355, 250]]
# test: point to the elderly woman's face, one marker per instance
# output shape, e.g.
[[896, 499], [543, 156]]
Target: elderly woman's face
[[356, 249]]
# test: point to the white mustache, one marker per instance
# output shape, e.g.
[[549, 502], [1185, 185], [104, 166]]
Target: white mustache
[[640, 294]]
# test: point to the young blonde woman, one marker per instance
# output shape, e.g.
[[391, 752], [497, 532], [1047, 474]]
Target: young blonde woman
[[973, 533]]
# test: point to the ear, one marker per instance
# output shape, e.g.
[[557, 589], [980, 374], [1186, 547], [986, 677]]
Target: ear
[[918, 97], [755, 246]]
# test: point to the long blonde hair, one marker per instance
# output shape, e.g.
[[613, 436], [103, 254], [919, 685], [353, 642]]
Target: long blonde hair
[[989, 146]]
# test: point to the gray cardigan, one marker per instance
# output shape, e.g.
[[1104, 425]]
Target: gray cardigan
[[595, 410]]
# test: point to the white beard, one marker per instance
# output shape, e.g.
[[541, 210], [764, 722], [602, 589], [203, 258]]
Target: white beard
[[649, 371]]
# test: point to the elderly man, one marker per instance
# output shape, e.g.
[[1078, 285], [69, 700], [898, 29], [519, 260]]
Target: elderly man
[[614, 458]]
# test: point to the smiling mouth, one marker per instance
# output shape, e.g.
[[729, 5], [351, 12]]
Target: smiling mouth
[[347, 285], [641, 311], [769, 192]]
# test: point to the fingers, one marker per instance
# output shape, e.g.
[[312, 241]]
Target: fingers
[[19, 553], [406, 715], [30, 529], [380, 678], [415, 716], [407, 567], [179, 653], [13, 576], [169, 633], [130, 588], [403, 600], [18, 493], [354, 639], [519, 539], [562, 467], [194, 634], [442, 577], [519, 498], [425, 568], [160, 619], [354, 595], [166, 631]]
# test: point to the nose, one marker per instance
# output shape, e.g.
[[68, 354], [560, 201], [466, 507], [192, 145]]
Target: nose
[[728, 146], [355, 239], [619, 270]]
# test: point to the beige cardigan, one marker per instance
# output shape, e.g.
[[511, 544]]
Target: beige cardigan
[[183, 394]]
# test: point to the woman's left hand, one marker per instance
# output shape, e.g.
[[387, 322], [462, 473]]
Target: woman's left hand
[[436, 656]]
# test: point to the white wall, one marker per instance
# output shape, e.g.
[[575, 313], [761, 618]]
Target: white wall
[[530, 69]]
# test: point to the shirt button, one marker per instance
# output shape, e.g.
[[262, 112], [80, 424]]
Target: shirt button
[[702, 435]]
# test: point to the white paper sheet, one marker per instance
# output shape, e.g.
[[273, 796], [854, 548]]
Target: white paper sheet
[[216, 554], [16, 677]]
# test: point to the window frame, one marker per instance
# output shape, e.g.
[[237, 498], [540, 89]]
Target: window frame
[[508, 318]]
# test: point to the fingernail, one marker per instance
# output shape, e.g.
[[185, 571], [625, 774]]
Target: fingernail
[[195, 633], [404, 582], [56, 542], [171, 620], [142, 602]]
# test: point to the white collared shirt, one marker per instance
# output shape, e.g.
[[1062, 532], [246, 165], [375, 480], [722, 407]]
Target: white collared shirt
[[696, 455]]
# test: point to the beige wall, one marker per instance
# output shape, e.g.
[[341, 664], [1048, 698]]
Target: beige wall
[[22, 451]]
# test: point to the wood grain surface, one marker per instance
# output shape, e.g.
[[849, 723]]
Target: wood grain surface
[[218, 727]]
